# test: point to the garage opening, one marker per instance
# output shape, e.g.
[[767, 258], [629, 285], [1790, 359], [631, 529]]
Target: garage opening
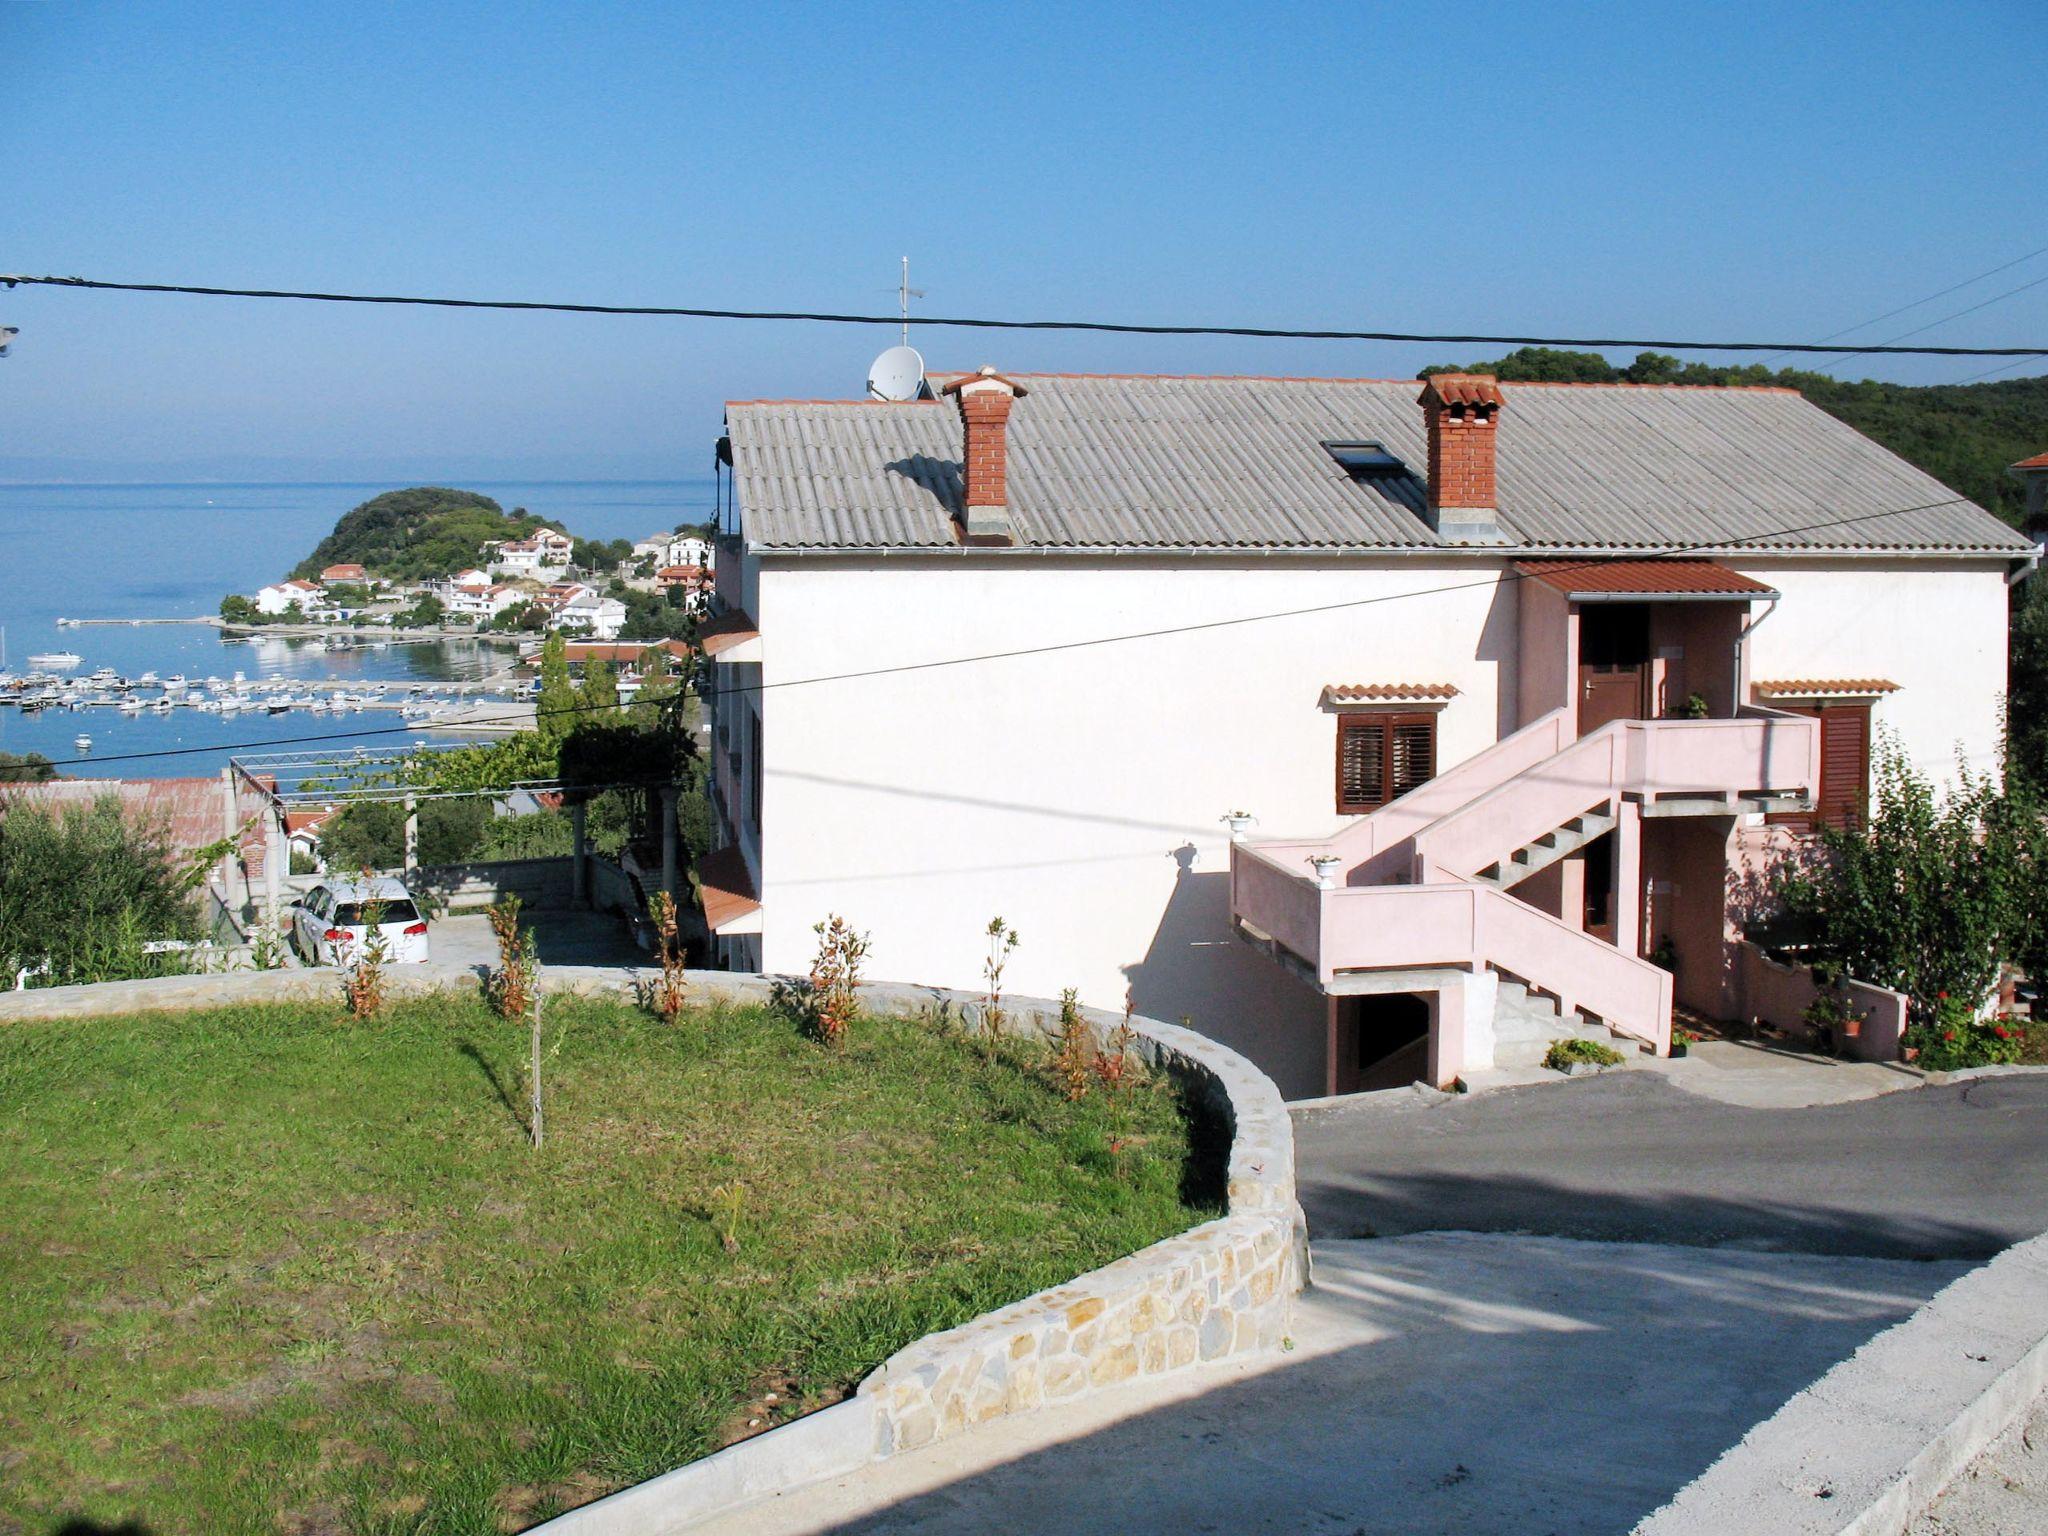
[[1380, 1042]]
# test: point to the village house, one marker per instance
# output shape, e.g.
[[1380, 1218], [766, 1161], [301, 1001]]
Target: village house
[[473, 595], [346, 574], [543, 556], [591, 613], [1377, 726], [693, 581], [281, 596], [667, 549]]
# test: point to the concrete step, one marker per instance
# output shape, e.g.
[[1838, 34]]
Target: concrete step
[[1540, 853]]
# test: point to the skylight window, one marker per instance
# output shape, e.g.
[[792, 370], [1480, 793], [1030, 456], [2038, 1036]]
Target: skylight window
[[1366, 460]]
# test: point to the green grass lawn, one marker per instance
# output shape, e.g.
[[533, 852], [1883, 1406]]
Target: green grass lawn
[[262, 1269]]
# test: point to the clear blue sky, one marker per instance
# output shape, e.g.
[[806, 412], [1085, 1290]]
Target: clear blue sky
[[1752, 170]]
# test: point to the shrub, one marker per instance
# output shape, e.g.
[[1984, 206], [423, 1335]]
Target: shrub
[[362, 982], [1956, 1039], [668, 994], [835, 978], [509, 988], [1070, 1052], [1002, 938], [83, 889], [1563, 1054]]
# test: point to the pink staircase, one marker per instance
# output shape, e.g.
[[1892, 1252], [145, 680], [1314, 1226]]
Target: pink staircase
[[1422, 884]]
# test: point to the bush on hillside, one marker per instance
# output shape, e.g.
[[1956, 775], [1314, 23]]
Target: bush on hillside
[[429, 530]]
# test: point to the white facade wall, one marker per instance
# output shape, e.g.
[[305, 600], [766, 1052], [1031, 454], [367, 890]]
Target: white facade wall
[[1077, 794], [1937, 629]]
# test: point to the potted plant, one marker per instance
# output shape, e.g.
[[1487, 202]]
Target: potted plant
[[1682, 1040]]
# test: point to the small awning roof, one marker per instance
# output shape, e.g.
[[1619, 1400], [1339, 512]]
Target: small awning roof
[[1825, 688], [728, 892], [1619, 580], [1389, 693]]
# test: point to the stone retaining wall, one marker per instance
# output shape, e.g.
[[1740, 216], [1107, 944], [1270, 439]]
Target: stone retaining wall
[[1223, 1288]]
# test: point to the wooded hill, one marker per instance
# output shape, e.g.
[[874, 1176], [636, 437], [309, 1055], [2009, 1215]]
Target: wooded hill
[[1965, 435], [409, 535]]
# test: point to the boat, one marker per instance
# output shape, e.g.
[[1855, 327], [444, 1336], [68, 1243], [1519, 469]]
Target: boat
[[131, 706], [82, 741], [147, 680], [54, 661]]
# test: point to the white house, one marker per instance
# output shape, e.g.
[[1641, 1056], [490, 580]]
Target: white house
[[666, 549], [1502, 721], [279, 597], [542, 556], [590, 613]]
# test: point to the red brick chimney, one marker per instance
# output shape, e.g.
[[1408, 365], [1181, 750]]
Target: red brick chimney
[[985, 399], [1460, 411]]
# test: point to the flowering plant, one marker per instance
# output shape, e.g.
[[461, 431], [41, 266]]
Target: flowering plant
[[1955, 1038]]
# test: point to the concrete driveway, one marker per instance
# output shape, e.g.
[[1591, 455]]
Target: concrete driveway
[[1959, 1171], [462, 943], [1450, 1382]]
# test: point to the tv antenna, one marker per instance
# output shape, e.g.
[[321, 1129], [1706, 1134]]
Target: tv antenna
[[904, 294]]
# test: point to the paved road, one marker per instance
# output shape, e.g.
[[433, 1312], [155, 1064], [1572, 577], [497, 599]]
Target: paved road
[[1941, 1172], [1455, 1382]]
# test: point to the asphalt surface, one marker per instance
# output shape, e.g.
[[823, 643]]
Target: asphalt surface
[[1952, 1172], [1445, 1383]]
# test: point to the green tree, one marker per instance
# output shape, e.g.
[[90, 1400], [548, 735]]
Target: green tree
[[659, 689], [425, 613], [598, 698], [556, 704], [371, 833], [2027, 702], [237, 609], [25, 768], [1925, 897]]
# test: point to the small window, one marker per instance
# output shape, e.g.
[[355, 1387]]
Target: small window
[[1381, 757], [1366, 459]]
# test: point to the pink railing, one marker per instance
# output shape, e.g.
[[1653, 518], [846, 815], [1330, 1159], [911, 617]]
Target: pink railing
[[1372, 848], [1454, 924], [1643, 757], [1477, 813]]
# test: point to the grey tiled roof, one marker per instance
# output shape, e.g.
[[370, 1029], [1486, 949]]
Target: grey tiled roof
[[1221, 463]]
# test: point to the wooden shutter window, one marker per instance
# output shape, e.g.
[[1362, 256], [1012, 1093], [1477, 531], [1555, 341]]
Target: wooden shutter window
[[1842, 798], [1382, 756], [1844, 765]]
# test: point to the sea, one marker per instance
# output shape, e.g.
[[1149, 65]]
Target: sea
[[136, 552]]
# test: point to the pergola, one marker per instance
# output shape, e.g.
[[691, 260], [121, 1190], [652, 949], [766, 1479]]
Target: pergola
[[288, 781]]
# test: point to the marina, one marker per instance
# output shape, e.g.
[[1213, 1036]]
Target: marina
[[501, 702]]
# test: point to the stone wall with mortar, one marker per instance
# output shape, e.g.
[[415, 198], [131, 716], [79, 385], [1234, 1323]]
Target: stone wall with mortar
[[1223, 1288]]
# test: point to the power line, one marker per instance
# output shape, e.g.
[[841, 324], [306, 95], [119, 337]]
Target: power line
[[1996, 298], [1077, 645], [1930, 298], [822, 317], [2018, 362]]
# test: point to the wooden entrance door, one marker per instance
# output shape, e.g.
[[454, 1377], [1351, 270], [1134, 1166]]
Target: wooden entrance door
[[1614, 663]]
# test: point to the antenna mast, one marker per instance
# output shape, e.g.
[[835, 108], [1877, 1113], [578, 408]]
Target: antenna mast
[[904, 294]]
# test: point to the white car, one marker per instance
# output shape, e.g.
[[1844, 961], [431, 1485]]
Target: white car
[[329, 927]]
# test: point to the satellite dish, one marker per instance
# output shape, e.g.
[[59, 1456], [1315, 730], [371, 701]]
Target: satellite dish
[[898, 374]]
